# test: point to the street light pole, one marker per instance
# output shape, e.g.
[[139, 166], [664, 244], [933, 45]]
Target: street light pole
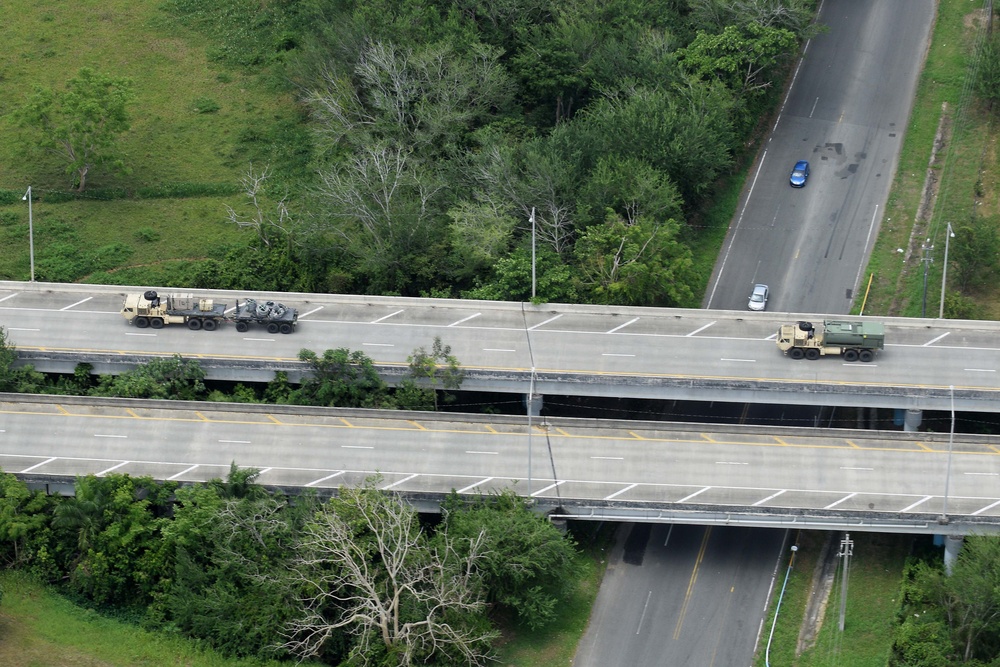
[[944, 271], [31, 233], [532, 253]]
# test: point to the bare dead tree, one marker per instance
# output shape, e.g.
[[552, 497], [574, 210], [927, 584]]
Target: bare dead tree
[[366, 568], [268, 227]]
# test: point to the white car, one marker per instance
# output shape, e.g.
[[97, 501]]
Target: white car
[[758, 298]]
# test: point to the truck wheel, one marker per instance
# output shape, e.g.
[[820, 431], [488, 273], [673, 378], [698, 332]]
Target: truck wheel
[[156, 323], [194, 324], [209, 325], [866, 355], [850, 355], [812, 354], [796, 353], [272, 327], [141, 322], [242, 327], [286, 328]]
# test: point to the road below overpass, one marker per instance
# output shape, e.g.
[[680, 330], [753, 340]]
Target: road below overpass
[[585, 468]]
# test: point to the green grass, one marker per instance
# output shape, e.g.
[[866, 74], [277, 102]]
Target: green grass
[[872, 602], [897, 288], [41, 629], [556, 645], [172, 139]]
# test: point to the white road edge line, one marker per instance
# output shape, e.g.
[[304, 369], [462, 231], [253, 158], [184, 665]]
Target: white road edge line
[[323, 479], [107, 470], [472, 486], [621, 491], [405, 479], [46, 461], [73, 305], [183, 472], [622, 326], [385, 317]]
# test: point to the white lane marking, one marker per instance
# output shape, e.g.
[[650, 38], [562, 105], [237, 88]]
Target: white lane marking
[[472, 451], [834, 504], [644, 607], [37, 465], [621, 491], [868, 240], [851, 468], [622, 326], [323, 479], [405, 479], [934, 340], [465, 319], [670, 532], [265, 470], [379, 344], [127, 333], [732, 463], [770, 497], [498, 349], [980, 370], [608, 458], [699, 330], [385, 317], [21, 329], [919, 502], [314, 310], [472, 486], [982, 474], [746, 202], [106, 435], [9, 296], [749, 361], [542, 324], [238, 442], [107, 470], [182, 472], [687, 498], [988, 507], [615, 354], [813, 110], [547, 488], [267, 340], [73, 305], [355, 447], [772, 336]]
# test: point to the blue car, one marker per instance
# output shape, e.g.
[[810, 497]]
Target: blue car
[[799, 174]]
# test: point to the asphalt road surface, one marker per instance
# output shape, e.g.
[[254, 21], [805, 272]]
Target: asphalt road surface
[[845, 113], [682, 595]]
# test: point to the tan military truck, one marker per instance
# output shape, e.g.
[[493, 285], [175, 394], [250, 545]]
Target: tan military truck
[[854, 340], [149, 309]]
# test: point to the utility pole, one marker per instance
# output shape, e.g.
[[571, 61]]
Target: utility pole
[[926, 259], [532, 253], [944, 271], [846, 551]]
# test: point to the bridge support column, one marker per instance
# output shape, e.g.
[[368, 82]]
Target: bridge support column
[[912, 419], [533, 403], [952, 545]]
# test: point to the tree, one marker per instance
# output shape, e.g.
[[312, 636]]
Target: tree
[[82, 123], [24, 519], [173, 378], [527, 563], [975, 253], [426, 373], [987, 72], [16, 379], [364, 565], [341, 378]]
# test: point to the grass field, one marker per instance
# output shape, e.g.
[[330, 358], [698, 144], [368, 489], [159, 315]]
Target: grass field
[[41, 629], [171, 142]]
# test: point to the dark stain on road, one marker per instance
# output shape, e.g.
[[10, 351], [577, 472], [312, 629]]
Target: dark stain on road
[[635, 545]]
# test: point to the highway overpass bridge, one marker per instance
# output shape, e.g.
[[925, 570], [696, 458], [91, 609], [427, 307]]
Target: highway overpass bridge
[[571, 468], [545, 349]]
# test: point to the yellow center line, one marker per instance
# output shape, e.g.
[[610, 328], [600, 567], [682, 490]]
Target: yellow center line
[[410, 421], [132, 412], [636, 435], [62, 410], [491, 429], [561, 431], [924, 447], [852, 444], [694, 578], [201, 416], [274, 419]]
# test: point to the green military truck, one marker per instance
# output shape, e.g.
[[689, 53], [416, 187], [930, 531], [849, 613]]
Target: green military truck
[[854, 340]]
